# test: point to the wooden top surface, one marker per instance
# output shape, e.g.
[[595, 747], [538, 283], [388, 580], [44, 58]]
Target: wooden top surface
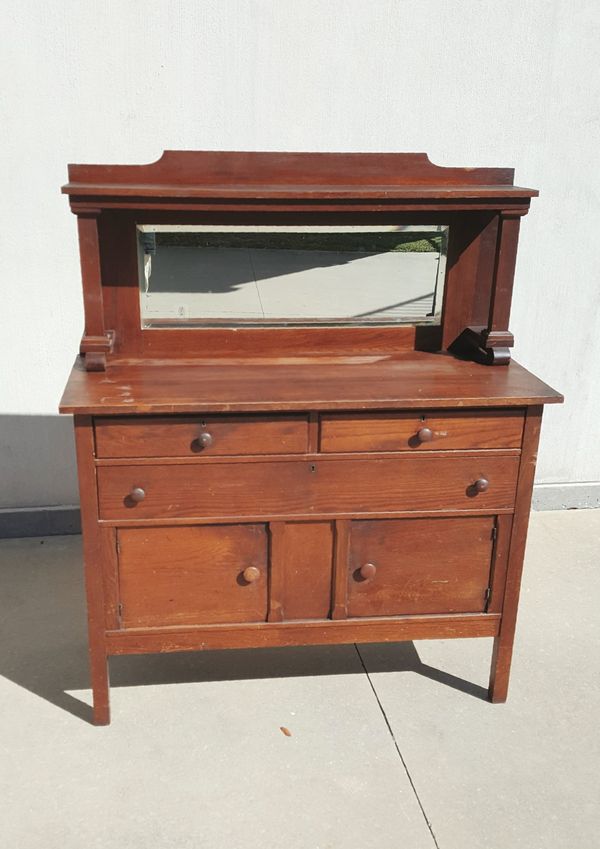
[[402, 381], [264, 175]]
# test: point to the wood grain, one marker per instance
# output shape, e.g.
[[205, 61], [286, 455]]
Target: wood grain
[[240, 485], [306, 633], [94, 552], [503, 644], [307, 567], [154, 436], [192, 575], [413, 381], [326, 487], [189, 171], [420, 566], [399, 431]]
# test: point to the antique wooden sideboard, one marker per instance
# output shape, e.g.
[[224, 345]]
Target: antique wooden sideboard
[[296, 417]]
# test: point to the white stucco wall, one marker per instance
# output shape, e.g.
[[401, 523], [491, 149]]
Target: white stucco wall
[[472, 83]]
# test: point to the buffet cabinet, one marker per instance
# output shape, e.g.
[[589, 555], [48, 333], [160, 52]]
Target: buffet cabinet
[[265, 482], [254, 530]]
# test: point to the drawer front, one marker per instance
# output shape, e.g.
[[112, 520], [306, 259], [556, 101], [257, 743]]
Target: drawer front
[[427, 431], [327, 487], [207, 435], [192, 575], [408, 566]]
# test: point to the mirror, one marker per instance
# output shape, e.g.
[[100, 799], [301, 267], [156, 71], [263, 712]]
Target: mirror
[[199, 276]]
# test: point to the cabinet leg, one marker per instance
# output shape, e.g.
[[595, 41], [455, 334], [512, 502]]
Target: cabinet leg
[[500, 669], [100, 689]]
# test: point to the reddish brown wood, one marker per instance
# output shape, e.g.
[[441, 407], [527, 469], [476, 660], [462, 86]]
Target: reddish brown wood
[[306, 633], [110, 576], [255, 170], [279, 187], [415, 381], [94, 545], [325, 488], [419, 566], [314, 433], [499, 562], [339, 605], [404, 431], [183, 576], [278, 553], [96, 342], [307, 568], [463, 274], [204, 436], [504, 271], [246, 487], [503, 644]]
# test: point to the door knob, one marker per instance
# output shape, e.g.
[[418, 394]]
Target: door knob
[[205, 440], [425, 434], [251, 574], [368, 571]]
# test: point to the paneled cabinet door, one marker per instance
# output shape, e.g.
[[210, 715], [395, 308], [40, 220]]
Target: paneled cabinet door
[[420, 566], [192, 575]]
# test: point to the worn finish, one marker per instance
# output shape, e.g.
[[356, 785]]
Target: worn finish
[[327, 487], [181, 576], [409, 381], [481, 205], [206, 436], [281, 486], [426, 431], [419, 566]]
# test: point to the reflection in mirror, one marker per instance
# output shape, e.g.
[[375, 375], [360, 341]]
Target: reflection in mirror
[[195, 276]]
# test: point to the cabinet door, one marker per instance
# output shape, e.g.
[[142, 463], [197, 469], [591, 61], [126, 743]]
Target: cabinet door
[[410, 566], [192, 575]]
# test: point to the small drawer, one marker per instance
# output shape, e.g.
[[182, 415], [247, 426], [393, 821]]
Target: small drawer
[[421, 431], [328, 487], [189, 436]]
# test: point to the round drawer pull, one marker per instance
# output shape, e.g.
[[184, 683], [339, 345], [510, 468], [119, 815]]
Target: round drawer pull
[[368, 571], [425, 434], [137, 494], [481, 485], [205, 440], [251, 574]]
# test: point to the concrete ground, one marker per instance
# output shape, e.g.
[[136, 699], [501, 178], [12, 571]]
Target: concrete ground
[[391, 745]]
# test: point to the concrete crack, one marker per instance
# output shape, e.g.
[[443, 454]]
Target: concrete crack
[[400, 755]]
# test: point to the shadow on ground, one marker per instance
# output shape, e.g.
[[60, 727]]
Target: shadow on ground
[[43, 643]]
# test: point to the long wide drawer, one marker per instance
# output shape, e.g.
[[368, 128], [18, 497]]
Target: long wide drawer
[[426, 431], [189, 436], [330, 486]]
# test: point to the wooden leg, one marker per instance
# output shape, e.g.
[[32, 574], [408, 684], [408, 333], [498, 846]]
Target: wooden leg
[[500, 671], [503, 643], [100, 687], [96, 551]]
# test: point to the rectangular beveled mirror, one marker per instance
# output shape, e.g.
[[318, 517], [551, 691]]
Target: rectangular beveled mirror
[[203, 275]]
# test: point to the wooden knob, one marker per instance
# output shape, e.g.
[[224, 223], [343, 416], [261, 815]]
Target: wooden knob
[[481, 485], [368, 571], [137, 494], [205, 440], [425, 434], [251, 574]]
